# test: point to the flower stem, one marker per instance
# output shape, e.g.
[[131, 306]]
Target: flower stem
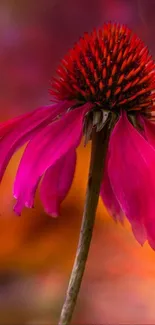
[[98, 154]]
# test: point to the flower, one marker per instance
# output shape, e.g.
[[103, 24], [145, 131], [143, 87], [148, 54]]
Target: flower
[[108, 72]]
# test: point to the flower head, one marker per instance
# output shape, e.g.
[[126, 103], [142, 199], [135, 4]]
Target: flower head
[[109, 72], [111, 68]]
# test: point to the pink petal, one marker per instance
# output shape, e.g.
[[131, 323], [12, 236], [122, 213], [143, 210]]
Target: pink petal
[[132, 176], [149, 128], [57, 182], [16, 132], [109, 197], [44, 150]]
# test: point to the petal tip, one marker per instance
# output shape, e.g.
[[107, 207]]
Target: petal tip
[[16, 211], [29, 205], [18, 208], [53, 214], [151, 243]]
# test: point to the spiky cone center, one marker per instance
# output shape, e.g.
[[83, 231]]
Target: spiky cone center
[[111, 68]]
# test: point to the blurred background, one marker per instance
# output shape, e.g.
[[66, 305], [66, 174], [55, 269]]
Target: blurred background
[[36, 251]]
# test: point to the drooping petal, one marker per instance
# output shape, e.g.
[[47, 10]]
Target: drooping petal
[[16, 132], [132, 176], [109, 197], [56, 183], [45, 149]]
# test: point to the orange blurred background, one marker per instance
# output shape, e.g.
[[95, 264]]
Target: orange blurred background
[[37, 252]]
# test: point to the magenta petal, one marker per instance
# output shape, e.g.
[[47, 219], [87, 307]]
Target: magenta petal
[[109, 197], [56, 183], [45, 149], [149, 128], [132, 176], [16, 132]]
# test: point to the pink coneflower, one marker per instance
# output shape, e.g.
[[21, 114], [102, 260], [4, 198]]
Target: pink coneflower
[[108, 72]]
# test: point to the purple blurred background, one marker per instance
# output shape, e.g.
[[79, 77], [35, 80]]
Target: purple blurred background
[[37, 252], [34, 36]]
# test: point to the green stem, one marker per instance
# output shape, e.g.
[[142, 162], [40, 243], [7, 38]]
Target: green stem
[[98, 154]]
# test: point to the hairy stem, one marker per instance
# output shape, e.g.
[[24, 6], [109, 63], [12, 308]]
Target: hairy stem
[[98, 154]]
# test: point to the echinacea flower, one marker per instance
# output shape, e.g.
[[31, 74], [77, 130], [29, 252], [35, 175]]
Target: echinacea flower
[[108, 72]]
